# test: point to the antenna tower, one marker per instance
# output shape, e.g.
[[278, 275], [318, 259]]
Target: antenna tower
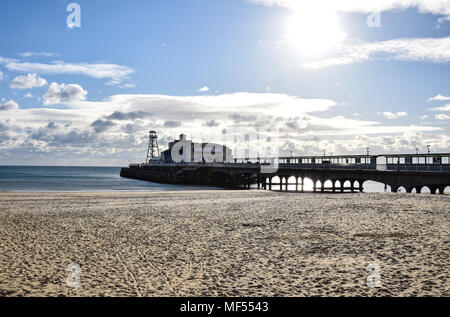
[[153, 148]]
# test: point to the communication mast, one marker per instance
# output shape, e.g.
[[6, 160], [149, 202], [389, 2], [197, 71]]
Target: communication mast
[[153, 149]]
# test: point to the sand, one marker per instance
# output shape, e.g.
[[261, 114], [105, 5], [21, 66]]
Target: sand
[[224, 243]]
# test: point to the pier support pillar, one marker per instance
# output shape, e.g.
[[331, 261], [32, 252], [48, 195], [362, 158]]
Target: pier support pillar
[[361, 186], [296, 184], [441, 190]]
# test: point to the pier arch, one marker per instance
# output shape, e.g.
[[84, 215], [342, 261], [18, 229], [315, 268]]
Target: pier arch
[[276, 183], [425, 190], [401, 189], [292, 183], [318, 185], [308, 184]]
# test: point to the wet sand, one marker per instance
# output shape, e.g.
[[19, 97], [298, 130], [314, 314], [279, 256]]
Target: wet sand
[[224, 243]]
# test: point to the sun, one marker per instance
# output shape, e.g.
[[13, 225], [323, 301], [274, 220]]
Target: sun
[[314, 32]]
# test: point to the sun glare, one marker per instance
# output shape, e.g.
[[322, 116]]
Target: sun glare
[[314, 32]]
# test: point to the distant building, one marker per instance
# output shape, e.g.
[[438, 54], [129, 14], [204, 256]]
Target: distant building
[[191, 152]]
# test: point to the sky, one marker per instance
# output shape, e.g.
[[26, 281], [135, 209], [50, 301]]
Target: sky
[[82, 83]]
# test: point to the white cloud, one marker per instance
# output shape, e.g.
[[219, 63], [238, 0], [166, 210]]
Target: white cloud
[[442, 116], [438, 97], [241, 102], [36, 54], [1, 75], [392, 116], [57, 135], [436, 50], [444, 108], [117, 73], [10, 105], [28, 95], [62, 93], [28, 82], [203, 89], [437, 7]]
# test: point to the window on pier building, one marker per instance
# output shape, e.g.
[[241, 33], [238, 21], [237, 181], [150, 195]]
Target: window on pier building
[[306, 161], [430, 160], [366, 160], [445, 160], [396, 160], [419, 160], [318, 161]]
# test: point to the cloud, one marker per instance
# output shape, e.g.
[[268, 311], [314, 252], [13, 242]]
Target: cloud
[[62, 93], [212, 123], [76, 132], [172, 124], [442, 116], [121, 116], [28, 95], [437, 7], [243, 103], [436, 50], [438, 97], [28, 82], [116, 73], [9, 105], [237, 118], [392, 116], [36, 54], [1, 75], [102, 125], [444, 108], [203, 89]]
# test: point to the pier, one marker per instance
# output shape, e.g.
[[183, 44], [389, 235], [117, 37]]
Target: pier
[[411, 172]]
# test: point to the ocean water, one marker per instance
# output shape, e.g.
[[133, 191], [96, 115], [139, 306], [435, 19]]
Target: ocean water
[[52, 178]]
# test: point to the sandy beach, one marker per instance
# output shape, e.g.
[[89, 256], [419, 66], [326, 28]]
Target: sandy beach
[[224, 243]]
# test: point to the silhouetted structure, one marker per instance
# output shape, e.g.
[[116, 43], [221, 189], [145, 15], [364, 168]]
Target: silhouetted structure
[[153, 148]]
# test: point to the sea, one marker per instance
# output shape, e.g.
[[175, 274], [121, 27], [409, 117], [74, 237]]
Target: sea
[[76, 179], [88, 179]]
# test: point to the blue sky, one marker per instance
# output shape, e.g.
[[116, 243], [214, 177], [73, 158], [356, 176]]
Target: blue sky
[[257, 60]]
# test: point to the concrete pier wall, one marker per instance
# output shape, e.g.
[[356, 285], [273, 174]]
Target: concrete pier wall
[[245, 175]]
